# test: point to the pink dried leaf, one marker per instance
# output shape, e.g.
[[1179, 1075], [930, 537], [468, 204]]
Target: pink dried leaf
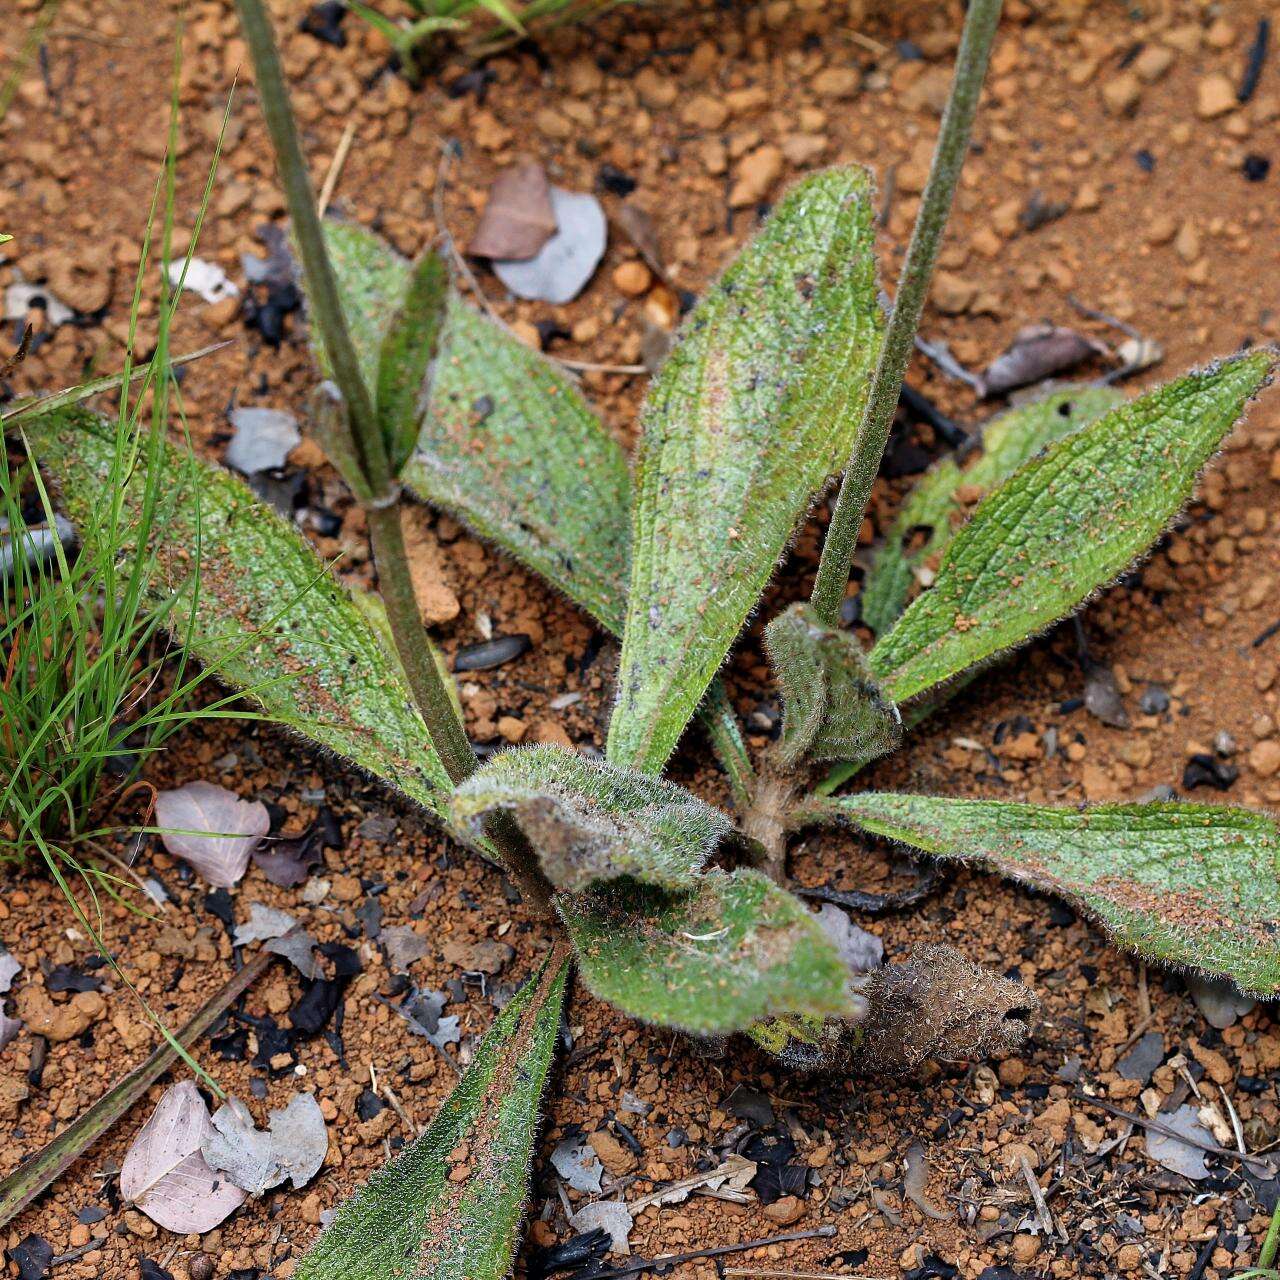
[[164, 1173], [212, 829]]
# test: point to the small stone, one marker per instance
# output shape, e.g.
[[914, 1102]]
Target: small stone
[[802, 149], [551, 732], [551, 124], [1087, 198], [929, 91], [1152, 63], [1129, 1257], [1187, 242], [1220, 35], [704, 112], [221, 314], [1012, 1072], [785, 1210], [1121, 94], [632, 279], [757, 173], [836, 82], [1264, 759], [616, 1158], [1024, 1248], [655, 91], [200, 1267], [951, 294], [1215, 96], [512, 728]]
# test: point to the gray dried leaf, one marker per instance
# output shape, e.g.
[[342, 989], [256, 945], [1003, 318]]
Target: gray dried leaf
[[751, 1104], [9, 1027], [207, 279], [578, 1165], [1037, 352], [518, 218], [278, 266], [860, 950], [403, 945], [293, 1146], [212, 829], [1177, 1156], [263, 439], [609, 1215], [1141, 1061], [1102, 698], [1221, 1004], [916, 1179], [298, 948], [561, 268], [19, 298], [164, 1173], [638, 227], [487, 955], [9, 969], [423, 1009], [263, 924]]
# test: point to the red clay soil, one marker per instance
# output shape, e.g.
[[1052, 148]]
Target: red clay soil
[[1122, 120]]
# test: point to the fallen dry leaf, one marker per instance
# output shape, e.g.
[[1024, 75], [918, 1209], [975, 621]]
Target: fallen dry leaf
[[165, 1175], [637, 226], [293, 1146], [1037, 352], [518, 218], [559, 271], [233, 828]]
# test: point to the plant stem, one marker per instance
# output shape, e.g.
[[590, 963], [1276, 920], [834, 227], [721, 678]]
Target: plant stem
[[913, 288], [322, 288], [360, 438]]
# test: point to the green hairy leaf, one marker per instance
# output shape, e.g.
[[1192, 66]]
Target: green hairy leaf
[[1196, 886], [832, 708], [509, 447], [1064, 525], [758, 405], [711, 962], [937, 506], [268, 617], [407, 350], [448, 1207], [590, 821]]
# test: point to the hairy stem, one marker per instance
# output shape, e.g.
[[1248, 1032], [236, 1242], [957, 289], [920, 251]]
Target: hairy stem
[[359, 437], [322, 288], [913, 287], [769, 819]]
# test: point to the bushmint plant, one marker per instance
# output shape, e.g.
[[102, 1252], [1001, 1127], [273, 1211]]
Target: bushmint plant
[[783, 377]]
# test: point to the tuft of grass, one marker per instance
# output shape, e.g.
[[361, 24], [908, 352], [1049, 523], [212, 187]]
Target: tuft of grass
[[87, 691], [481, 26]]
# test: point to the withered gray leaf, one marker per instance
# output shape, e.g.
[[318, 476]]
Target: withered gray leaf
[[1037, 352], [293, 1146]]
